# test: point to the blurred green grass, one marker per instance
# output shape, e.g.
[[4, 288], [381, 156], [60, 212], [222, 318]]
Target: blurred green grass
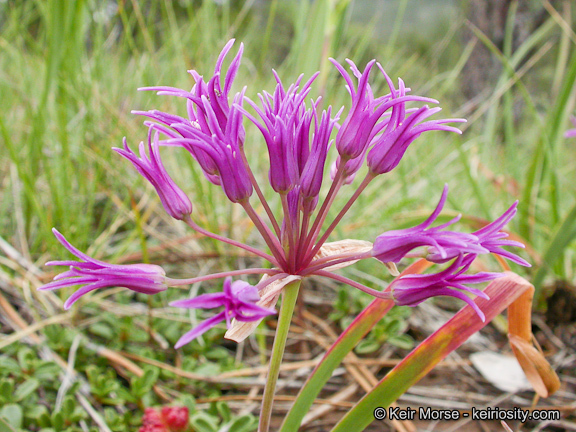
[[68, 78]]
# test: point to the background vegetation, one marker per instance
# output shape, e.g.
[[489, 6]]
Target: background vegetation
[[69, 71]]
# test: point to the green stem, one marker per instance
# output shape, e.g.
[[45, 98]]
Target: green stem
[[288, 302]]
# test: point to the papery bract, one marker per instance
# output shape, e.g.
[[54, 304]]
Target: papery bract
[[269, 296]]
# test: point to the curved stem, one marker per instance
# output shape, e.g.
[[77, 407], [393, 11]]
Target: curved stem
[[285, 317], [263, 201], [267, 235], [223, 239], [378, 294], [189, 281], [338, 218]]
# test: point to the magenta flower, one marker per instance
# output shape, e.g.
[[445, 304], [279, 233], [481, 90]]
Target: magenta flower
[[491, 238], [174, 200], [360, 126], [217, 96], [285, 127], [213, 133], [219, 150], [95, 274], [354, 133], [444, 245], [312, 172], [414, 289], [392, 246], [389, 148], [238, 300]]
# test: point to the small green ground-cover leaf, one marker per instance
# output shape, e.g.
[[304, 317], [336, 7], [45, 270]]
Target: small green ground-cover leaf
[[13, 415], [25, 389]]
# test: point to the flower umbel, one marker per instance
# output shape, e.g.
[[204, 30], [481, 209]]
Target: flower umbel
[[376, 132]]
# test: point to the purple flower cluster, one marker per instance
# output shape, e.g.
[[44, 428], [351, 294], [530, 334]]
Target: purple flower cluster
[[375, 132], [213, 132]]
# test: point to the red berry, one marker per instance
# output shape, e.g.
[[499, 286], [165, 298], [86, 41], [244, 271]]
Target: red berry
[[153, 428], [176, 418], [152, 417]]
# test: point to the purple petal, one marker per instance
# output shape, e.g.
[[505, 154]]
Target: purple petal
[[75, 251], [65, 282], [84, 290], [204, 301], [199, 330]]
